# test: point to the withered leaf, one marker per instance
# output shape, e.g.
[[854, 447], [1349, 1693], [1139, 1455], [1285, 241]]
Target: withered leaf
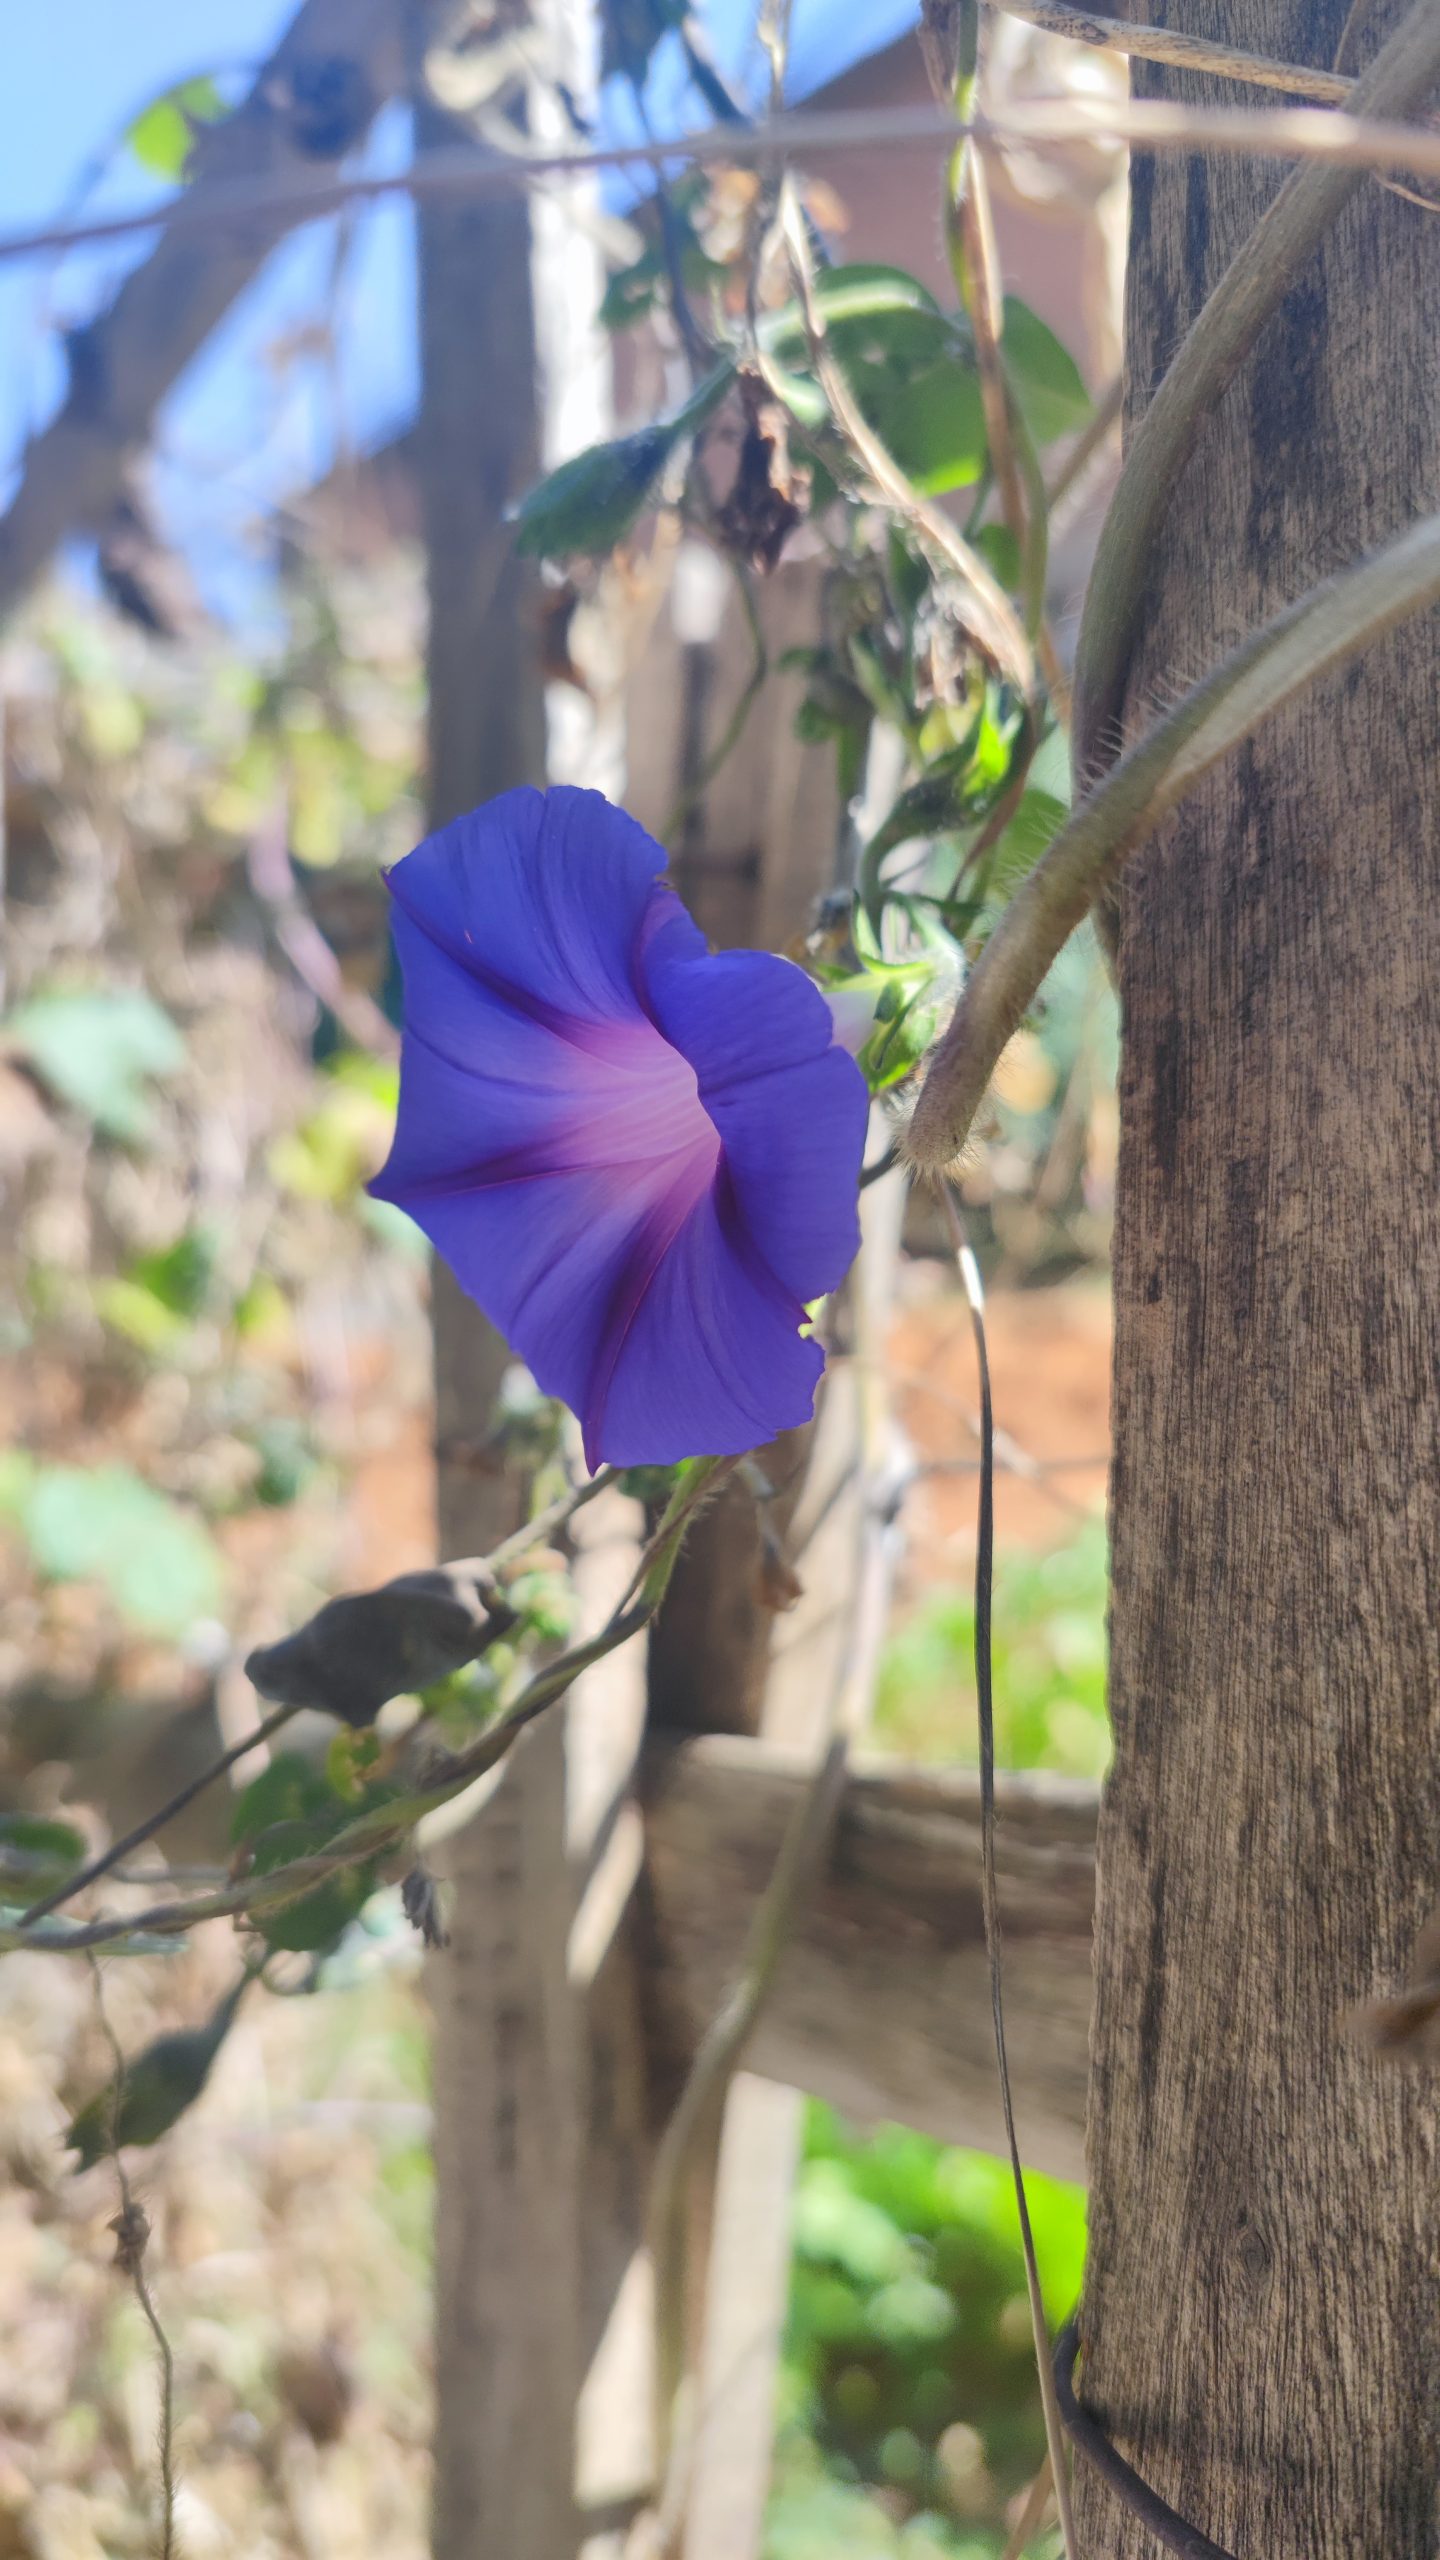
[[369, 1646]]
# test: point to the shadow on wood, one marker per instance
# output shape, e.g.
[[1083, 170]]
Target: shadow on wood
[[882, 2005]]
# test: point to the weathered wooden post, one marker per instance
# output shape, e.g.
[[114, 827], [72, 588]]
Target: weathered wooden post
[[1262, 2319], [507, 2047]]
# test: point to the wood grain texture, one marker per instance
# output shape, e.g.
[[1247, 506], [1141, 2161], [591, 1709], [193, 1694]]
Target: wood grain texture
[[335, 66], [1262, 2316], [882, 2004], [507, 2042], [751, 858]]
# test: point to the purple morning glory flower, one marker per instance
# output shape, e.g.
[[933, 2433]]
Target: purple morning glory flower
[[639, 1156]]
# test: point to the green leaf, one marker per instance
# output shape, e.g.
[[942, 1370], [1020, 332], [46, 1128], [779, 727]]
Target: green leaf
[[179, 1275], [290, 1790], [591, 502], [45, 1853], [38, 1838], [290, 1811], [107, 1525], [1036, 823], [1000, 551], [866, 308], [96, 1052], [162, 135], [933, 425], [1046, 377], [155, 2088]]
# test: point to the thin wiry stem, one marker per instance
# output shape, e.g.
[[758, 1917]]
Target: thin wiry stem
[[386, 1826], [989, 1878], [734, 728], [481, 1568], [1103, 423], [120, 1849], [132, 2232]]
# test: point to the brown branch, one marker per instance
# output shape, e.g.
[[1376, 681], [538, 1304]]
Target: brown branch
[[272, 877], [1378, 145], [313, 100], [1183, 52]]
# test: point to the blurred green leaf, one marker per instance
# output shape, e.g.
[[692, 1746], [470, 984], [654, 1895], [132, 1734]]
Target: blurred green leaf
[[869, 310], [97, 1050], [155, 2088], [160, 1294], [106, 1524], [1049, 1666], [590, 503], [934, 427], [288, 1812], [291, 1789], [1000, 551], [162, 135], [43, 1852], [287, 1459], [1047, 380]]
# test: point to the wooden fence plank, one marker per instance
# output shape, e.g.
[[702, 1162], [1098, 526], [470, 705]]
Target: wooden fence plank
[[882, 2005]]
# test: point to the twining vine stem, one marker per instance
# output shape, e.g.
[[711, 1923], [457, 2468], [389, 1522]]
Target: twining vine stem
[[1325, 627], [386, 1826]]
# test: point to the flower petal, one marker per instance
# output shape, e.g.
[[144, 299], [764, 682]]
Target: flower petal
[[540, 896], [640, 1159], [709, 1360], [790, 1106]]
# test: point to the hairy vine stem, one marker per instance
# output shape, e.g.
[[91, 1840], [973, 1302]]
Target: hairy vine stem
[[1249, 292], [1326, 626]]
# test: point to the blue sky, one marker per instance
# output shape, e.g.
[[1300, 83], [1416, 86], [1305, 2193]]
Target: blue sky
[[244, 426]]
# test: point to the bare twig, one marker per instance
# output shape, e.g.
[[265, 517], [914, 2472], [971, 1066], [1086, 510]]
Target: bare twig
[[102, 1864], [1184, 52], [734, 729], [537, 1532], [1103, 423], [132, 2231], [1027, 2523], [277, 155], [272, 877], [1370, 143]]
